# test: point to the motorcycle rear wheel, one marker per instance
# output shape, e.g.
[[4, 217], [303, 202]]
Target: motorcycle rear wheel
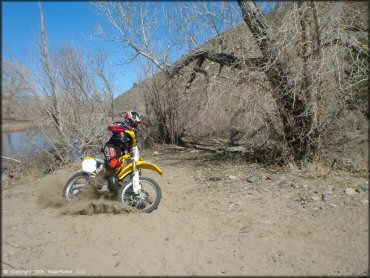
[[76, 185], [145, 201]]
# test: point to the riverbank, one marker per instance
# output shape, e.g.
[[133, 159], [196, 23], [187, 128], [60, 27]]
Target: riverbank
[[11, 126]]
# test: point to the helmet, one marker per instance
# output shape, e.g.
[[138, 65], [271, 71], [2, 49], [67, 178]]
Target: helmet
[[132, 119]]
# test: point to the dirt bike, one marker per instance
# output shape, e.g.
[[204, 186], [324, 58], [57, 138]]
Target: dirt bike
[[132, 189]]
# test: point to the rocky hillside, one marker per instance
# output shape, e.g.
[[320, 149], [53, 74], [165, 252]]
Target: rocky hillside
[[133, 99]]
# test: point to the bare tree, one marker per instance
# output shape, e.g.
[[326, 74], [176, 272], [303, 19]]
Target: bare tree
[[14, 89], [107, 79], [154, 32], [50, 85], [73, 92], [138, 28], [297, 103], [289, 63]]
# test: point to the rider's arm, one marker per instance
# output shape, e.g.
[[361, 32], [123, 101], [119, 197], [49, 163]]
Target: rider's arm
[[127, 140]]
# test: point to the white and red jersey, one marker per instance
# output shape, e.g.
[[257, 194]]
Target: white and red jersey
[[117, 144]]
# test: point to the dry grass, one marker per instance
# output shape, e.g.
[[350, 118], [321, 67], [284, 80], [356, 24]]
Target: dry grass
[[312, 169], [321, 167]]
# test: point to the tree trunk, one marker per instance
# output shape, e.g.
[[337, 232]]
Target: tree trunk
[[310, 84], [54, 105], [293, 109]]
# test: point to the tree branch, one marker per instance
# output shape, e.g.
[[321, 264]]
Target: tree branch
[[220, 58], [360, 51]]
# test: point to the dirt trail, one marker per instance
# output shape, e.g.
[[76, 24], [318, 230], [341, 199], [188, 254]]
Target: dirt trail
[[211, 221]]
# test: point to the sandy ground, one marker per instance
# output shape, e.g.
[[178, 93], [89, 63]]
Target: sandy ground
[[211, 221]]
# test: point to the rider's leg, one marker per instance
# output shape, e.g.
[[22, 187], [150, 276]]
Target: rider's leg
[[113, 180]]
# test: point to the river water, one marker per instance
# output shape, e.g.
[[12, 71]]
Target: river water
[[14, 144]]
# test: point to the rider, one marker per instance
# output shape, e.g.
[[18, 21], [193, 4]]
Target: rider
[[119, 144]]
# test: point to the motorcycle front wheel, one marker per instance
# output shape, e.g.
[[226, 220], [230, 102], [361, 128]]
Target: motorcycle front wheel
[[146, 200], [76, 185]]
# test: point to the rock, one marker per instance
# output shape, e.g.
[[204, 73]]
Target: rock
[[284, 183], [349, 191], [232, 177], [215, 179], [315, 198], [232, 207], [327, 196], [301, 198], [294, 185], [364, 188], [155, 153], [246, 229], [253, 178], [359, 190], [283, 178], [305, 186], [365, 201], [237, 149], [178, 148], [272, 177]]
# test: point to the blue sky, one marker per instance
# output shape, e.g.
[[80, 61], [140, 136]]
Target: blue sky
[[66, 22]]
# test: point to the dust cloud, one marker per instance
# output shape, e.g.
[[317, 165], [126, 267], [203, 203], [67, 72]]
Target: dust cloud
[[89, 203]]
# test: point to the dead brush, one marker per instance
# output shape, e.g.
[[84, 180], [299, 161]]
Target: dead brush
[[10, 172], [357, 165], [40, 164], [315, 168], [32, 166]]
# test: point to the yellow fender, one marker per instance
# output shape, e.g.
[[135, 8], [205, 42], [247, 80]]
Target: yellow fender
[[88, 157], [141, 165]]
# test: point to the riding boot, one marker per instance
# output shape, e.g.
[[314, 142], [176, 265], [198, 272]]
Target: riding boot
[[113, 181]]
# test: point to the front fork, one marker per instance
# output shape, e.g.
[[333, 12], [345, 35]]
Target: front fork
[[135, 179]]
